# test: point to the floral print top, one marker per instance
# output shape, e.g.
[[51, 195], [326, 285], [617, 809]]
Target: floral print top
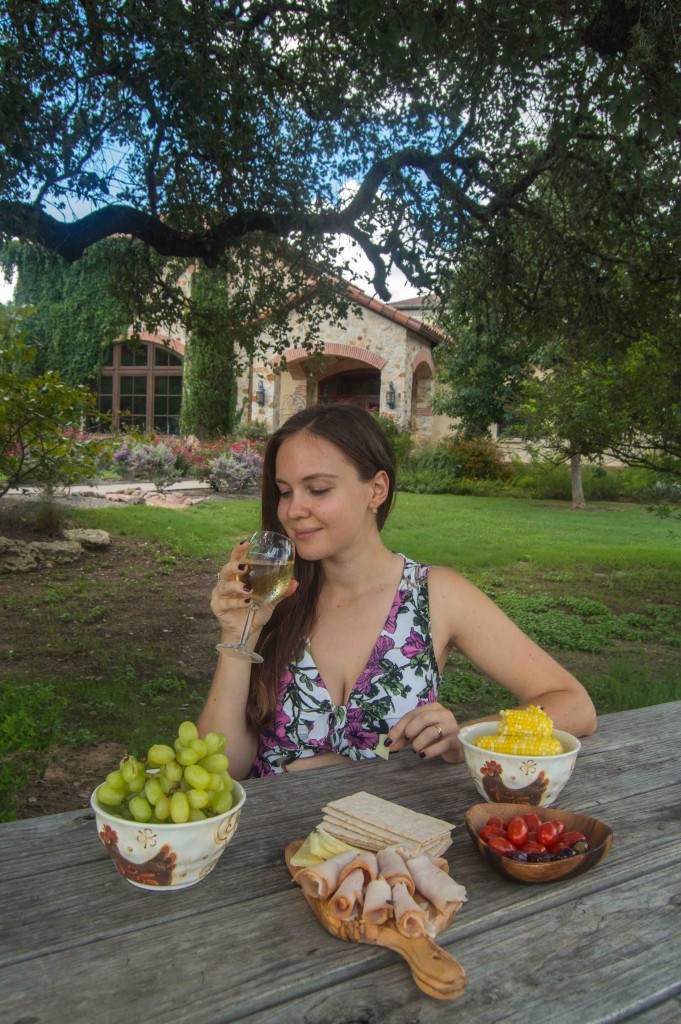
[[400, 675]]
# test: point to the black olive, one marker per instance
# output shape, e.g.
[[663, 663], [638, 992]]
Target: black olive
[[567, 851], [539, 858], [517, 855]]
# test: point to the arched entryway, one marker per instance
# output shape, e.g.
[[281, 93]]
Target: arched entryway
[[361, 387], [337, 373]]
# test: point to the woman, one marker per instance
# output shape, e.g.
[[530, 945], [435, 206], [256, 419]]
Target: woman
[[328, 688]]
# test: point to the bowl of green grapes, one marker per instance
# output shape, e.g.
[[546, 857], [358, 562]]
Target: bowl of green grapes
[[167, 818]]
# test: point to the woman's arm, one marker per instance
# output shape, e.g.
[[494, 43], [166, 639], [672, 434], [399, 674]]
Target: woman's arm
[[225, 707], [225, 711], [465, 618]]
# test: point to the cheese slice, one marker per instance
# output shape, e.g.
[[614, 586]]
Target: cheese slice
[[380, 750], [305, 858]]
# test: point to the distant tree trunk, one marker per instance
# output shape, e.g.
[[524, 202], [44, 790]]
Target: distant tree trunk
[[578, 502]]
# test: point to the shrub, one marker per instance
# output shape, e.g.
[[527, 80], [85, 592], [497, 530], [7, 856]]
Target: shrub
[[401, 441], [155, 462], [40, 418], [475, 459], [239, 470]]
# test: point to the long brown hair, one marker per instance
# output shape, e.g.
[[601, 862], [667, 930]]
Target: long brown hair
[[359, 437]]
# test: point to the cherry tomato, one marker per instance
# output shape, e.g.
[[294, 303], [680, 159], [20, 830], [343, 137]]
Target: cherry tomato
[[517, 830], [547, 833], [496, 822], [560, 825], [500, 845], [570, 838], [489, 832], [533, 848], [532, 820]]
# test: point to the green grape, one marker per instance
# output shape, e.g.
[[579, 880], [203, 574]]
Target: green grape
[[227, 782], [178, 745], [215, 742], [160, 754], [222, 802], [215, 763], [179, 808], [153, 789], [140, 808], [162, 808], [166, 783], [196, 815], [131, 768], [173, 771], [196, 776], [137, 784], [186, 733], [109, 796], [188, 756], [215, 781], [198, 797], [200, 747], [116, 781]]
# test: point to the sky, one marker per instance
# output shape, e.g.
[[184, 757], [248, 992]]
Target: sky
[[6, 289]]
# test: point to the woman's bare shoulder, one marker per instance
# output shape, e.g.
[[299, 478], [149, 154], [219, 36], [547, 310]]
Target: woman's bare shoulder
[[442, 578]]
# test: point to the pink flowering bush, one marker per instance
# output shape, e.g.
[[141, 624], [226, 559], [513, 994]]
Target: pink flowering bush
[[226, 464]]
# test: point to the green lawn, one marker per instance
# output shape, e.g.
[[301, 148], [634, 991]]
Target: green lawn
[[120, 647]]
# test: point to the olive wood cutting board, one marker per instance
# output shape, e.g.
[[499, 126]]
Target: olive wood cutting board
[[435, 972]]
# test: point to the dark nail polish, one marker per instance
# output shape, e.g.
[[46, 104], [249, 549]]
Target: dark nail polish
[[422, 754], [247, 600], [241, 568], [247, 589], [386, 743]]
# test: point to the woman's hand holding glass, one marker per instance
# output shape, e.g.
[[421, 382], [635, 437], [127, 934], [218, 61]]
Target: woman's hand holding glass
[[257, 576]]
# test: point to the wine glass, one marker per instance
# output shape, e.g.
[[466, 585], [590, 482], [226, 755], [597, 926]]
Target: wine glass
[[269, 570]]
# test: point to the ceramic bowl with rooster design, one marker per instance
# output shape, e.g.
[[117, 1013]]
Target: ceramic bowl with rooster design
[[166, 857], [519, 779]]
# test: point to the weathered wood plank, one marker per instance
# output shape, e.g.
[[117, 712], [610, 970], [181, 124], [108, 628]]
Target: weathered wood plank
[[629, 946], [244, 945], [432, 787], [56, 912]]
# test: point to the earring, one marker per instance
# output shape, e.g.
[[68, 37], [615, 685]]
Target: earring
[[373, 510]]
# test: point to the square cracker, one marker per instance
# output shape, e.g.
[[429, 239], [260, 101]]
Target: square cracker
[[376, 813]]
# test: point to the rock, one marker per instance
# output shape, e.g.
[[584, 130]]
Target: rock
[[130, 496], [173, 500], [58, 551], [25, 556], [89, 538], [17, 556]]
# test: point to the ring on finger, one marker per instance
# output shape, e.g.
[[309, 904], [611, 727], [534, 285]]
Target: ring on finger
[[439, 730]]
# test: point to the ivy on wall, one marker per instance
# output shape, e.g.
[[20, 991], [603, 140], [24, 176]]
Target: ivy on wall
[[81, 307], [209, 393]]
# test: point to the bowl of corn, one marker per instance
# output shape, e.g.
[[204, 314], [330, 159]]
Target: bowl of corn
[[520, 759]]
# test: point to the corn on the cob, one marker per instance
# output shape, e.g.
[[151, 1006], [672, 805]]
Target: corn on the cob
[[535, 746], [531, 720], [524, 732]]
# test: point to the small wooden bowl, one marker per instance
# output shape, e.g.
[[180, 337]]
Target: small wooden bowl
[[598, 834]]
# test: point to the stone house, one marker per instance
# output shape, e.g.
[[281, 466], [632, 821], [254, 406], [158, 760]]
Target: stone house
[[380, 358]]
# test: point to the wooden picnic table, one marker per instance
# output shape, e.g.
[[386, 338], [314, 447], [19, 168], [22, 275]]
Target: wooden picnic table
[[80, 944]]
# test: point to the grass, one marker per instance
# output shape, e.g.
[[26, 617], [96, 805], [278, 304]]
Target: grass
[[121, 649]]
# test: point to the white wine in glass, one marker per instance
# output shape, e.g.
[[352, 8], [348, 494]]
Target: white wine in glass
[[269, 570]]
